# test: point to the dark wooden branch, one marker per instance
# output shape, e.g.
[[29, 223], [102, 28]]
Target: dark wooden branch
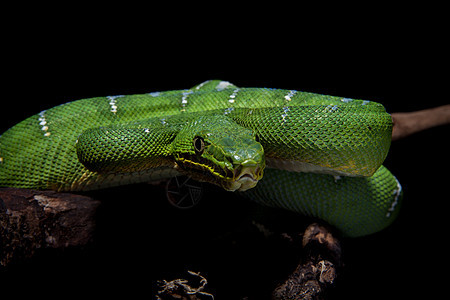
[[33, 219], [411, 122]]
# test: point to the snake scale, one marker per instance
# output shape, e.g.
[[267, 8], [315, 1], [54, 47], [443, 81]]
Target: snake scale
[[315, 154]]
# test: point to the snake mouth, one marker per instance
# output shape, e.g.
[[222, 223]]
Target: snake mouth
[[245, 177], [240, 178]]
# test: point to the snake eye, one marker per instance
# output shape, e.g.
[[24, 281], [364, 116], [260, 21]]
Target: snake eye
[[199, 145]]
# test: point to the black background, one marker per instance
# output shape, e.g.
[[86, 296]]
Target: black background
[[141, 238]]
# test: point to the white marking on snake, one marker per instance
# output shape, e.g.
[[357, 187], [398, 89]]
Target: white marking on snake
[[365, 102], [113, 103], [228, 110], [346, 100], [43, 123], [337, 178], [223, 85], [184, 100], [154, 94], [290, 95], [396, 193], [285, 113], [331, 107], [233, 96], [202, 84]]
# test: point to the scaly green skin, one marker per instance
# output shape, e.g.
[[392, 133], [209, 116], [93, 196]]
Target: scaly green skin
[[356, 206], [108, 141]]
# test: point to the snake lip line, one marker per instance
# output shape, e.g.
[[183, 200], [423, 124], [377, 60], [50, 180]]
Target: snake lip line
[[249, 176], [247, 173], [242, 177], [203, 171], [245, 177]]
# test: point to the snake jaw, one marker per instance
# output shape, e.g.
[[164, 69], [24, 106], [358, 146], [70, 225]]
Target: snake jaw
[[240, 178], [245, 178]]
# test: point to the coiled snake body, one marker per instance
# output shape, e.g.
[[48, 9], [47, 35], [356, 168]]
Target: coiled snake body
[[319, 155]]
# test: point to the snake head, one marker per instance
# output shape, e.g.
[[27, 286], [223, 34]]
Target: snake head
[[220, 152]]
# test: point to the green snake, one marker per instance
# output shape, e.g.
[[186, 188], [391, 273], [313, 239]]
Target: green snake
[[316, 154]]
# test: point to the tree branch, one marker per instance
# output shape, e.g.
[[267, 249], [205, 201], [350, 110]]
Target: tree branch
[[31, 219], [408, 123]]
